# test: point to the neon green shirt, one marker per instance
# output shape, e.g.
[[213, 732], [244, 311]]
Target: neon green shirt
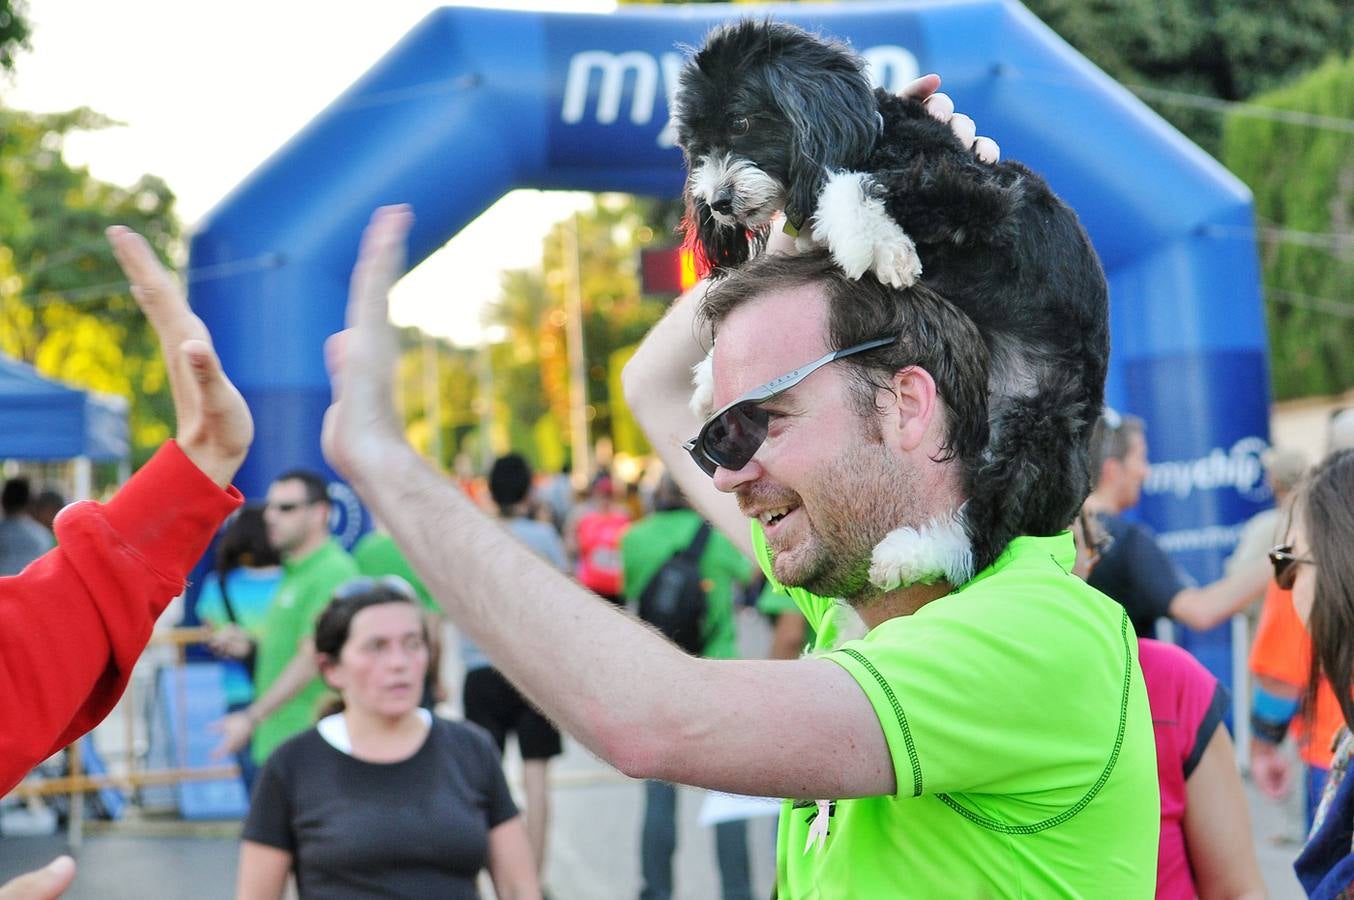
[[306, 588], [1017, 720], [376, 553], [652, 541]]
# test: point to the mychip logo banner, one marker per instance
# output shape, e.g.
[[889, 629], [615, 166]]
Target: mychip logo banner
[[611, 92]]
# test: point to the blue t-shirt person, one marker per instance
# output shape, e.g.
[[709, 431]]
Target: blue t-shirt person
[[251, 591]]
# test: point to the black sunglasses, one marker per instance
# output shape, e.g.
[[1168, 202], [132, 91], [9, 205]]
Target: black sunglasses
[[1286, 565], [730, 437]]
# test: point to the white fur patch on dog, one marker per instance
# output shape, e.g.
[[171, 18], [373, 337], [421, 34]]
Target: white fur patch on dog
[[703, 384], [938, 551], [856, 227]]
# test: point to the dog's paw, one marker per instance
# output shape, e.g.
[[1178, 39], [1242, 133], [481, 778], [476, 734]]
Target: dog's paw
[[896, 263], [856, 227]]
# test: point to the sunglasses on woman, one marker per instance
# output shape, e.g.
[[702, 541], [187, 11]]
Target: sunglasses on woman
[[730, 437], [1286, 565]]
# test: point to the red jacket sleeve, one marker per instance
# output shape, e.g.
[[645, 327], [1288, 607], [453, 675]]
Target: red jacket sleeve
[[73, 623]]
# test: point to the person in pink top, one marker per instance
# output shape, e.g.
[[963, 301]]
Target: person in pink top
[[1205, 847], [595, 541]]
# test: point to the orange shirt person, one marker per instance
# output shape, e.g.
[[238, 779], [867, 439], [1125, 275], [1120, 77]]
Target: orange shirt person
[[1280, 661]]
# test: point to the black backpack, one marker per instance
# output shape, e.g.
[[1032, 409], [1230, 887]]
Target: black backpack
[[674, 599]]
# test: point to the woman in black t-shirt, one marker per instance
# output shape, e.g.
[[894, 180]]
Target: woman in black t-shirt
[[381, 798]]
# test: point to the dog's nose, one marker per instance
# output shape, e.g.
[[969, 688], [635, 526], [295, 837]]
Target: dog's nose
[[722, 202]]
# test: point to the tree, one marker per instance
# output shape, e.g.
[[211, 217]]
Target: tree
[[14, 31], [531, 367], [1222, 49], [1302, 177], [66, 309]]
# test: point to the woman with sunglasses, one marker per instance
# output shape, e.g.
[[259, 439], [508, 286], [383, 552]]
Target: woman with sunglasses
[[1317, 562], [381, 798]]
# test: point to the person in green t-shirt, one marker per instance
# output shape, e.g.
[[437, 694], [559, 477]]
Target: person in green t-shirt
[[645, 547], [286, 675], [956, 732]]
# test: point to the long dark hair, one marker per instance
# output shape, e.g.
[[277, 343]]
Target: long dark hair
[[245, 542], [1326, 505]]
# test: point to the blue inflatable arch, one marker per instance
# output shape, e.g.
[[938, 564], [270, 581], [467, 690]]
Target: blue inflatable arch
[[474, 103]]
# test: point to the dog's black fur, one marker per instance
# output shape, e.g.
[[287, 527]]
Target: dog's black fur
[[994, 240]]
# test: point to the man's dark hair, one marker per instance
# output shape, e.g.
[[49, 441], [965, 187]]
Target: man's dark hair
[[49, 500], [317, 489], [932, 335], [1112, 438], [14, 497], [509, 480]]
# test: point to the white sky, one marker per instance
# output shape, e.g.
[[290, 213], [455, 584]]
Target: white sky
[[209, 91]]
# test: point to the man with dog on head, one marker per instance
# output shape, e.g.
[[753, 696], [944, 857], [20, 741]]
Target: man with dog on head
[[984, 738]]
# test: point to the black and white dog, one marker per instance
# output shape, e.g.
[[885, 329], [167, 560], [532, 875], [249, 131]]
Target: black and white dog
[[771, 117]]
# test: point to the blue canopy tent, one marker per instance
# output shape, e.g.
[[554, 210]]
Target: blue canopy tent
[[42, 419], [473, 103]]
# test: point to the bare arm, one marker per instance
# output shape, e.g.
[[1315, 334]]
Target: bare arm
[[236, 727], [262, 873], [1205, 607], [1218, 826], [511, 866], [657, 382], [626, 693]]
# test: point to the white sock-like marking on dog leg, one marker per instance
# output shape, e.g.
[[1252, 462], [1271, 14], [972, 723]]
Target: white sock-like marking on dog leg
[[839, 224], [861, 234], [939, 550], [703, 384]]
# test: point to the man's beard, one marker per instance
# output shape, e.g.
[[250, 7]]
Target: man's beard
[[866, 493]]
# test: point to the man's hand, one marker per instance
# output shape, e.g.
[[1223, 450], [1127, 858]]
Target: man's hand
[[361, 425], [1271, 770], [214, 425], [44, 884], [235, 729], [941, 108]]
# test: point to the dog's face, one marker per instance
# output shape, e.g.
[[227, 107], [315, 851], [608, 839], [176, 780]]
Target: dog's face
[[763, 111]]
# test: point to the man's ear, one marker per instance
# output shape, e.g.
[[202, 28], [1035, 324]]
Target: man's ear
[[914, 407]]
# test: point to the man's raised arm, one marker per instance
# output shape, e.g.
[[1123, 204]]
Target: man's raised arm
[[613, 683], [657, 382]]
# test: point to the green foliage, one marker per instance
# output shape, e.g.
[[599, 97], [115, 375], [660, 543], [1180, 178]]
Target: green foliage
[[14, 31], [67, 309], [595, 253], [1303, 180], [1227, 50], [431, 370]]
